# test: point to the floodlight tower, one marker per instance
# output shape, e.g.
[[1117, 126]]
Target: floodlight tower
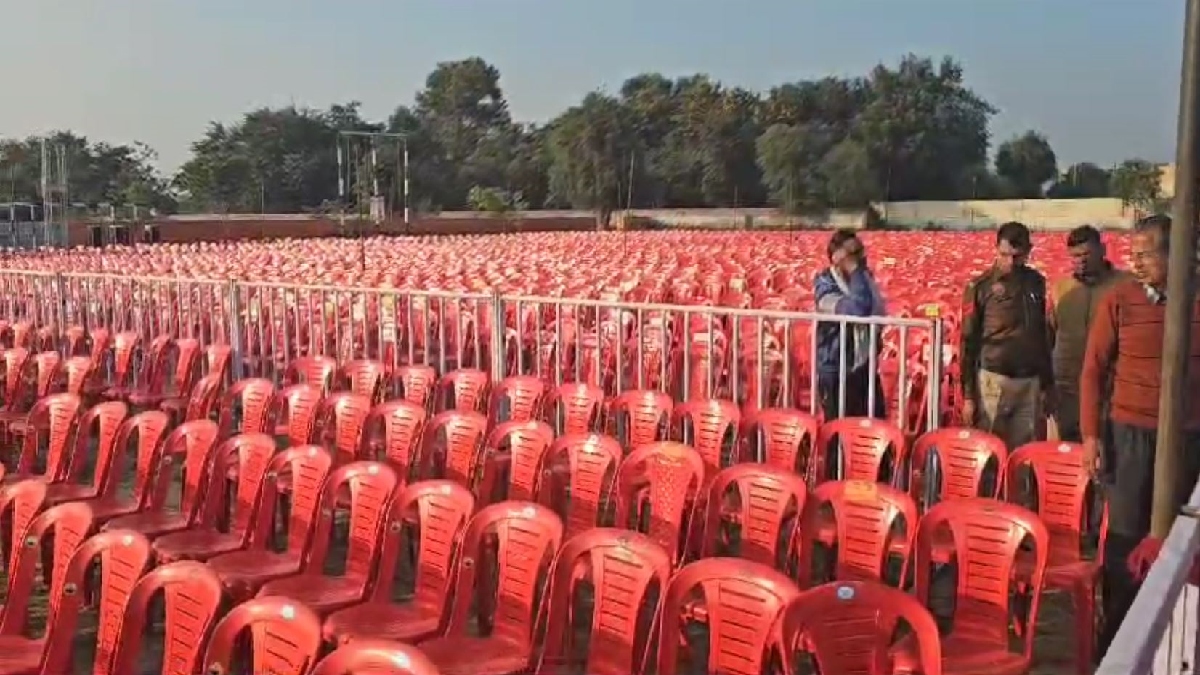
[[56, 196], [349, 171]]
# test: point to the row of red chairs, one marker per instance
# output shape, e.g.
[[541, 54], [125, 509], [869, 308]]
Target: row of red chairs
[[476, 399], [740, 598], [665, 529]]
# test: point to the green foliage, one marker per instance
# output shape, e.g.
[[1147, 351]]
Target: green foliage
[[98, 173], [909, 131], [495, 201], [1137, 183], [1082, 181], [1028, 163]]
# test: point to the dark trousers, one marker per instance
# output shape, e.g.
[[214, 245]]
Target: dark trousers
[[858, 386], [1128, 478]]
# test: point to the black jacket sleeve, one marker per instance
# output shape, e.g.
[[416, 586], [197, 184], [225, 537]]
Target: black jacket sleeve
[[971, 341]]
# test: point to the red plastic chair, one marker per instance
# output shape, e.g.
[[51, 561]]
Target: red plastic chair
[[440, 510], [201, 402], [709, 426], [644, 416], [788, 438], [582, 470], [371, 486], [394, 433], [316, 370], [626, 568], [416, 383], [376, 657], [341, 423], [761, 500], [123, 557], [527, 537], [865, 516], [192, 447], [256, 399], [666, 478], [296, 410], [158, 387], [453, 446], [518, 449], [192, 592], [576, 408], [1061, 489], [866, 444], [987, 536], [849, 626], [20, 503], [964, 455], [248, 455], [364, 377], [285, 638], [79, 372], [464, 390], [54, 420], [66, 526], [148, 428], [740, 602], [520, 397], [305, 469]]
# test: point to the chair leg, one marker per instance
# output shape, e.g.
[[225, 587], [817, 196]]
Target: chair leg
[[1084, 597]]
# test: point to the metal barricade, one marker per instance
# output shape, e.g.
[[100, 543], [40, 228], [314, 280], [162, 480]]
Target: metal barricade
[[280, 322], [1160, 634], [755, 358]]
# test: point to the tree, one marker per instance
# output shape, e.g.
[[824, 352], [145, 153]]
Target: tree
[[923, 128], [590, 145], [1137, 183], [1028, 163], [1081, 181], [788, 155], [463, 108], [913, 130]]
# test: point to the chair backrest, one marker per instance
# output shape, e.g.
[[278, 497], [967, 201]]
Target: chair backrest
[[849, 626], [376, 656], [285, 637]]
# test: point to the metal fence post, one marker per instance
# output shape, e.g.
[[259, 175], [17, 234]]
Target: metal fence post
[[937, 368], [233, 302], [499, 348], [60, 291]]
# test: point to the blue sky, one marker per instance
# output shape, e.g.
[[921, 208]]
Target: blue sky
[[1098, 77]]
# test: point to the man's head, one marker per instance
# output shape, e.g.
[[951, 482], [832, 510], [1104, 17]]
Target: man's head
[[1087, 251], [1013, 245], [1151, 237], [845, 249]]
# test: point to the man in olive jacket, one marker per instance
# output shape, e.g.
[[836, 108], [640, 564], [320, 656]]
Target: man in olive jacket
[[1074, 300]]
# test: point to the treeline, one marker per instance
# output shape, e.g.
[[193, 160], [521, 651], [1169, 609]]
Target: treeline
[[913, 131]]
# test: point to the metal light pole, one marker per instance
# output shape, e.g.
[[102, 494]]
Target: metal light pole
[[1180, 294], [345, 166]]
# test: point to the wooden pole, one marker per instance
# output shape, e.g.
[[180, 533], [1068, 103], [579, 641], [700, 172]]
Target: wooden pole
[[1180, 294]]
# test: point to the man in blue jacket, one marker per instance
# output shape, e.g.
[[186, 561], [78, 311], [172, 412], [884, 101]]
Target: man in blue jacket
[[847, 288]]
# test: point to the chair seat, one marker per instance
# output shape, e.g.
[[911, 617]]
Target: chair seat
[[112, 507], [20, 655], [404, 622], [145, 399], [244, 572], [477, 656], [174, 404], [151, 524], [197, 544], [19, 427], [69, 492], [322, 593]]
